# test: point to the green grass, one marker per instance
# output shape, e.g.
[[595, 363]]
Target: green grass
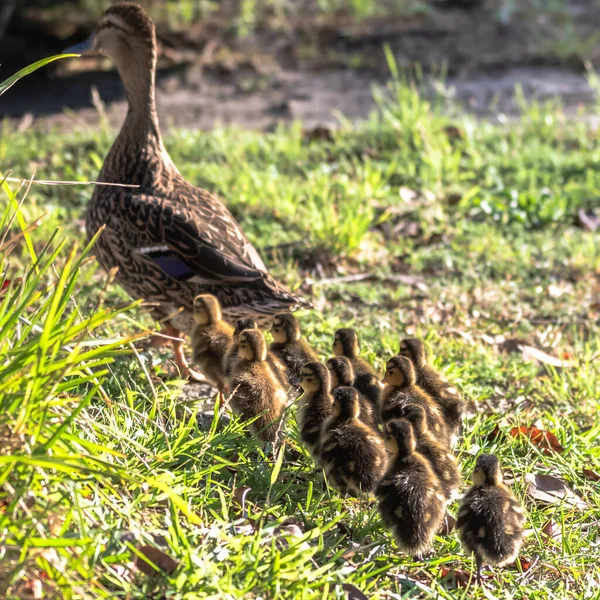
[[100, 453]]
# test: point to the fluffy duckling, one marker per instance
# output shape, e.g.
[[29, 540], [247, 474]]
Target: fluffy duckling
[[211, 338], [370, 387], [353, 454], [289, 346], [401, 389], [411, 503], [255, 389], [444, 393], [440, 458], [341, 374], [345, 343], [490, 519], [314, 406]]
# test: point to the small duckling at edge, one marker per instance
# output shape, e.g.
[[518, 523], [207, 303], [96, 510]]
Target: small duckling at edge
[[490, 519], [211, 338], [411, 502], [353, 454], [342, 375], [314, 406], [440, 457], [401, 389], [345, 343], [443, 393], [255, 389], [289, 346]]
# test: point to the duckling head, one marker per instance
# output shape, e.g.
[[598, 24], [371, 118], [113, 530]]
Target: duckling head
[[125, 33], [253, 346], [400, 438], [341, 372], [416, 416], [242, 325], [314, 377], [400, 372], [345, 343], [414, 349], [285, 328], [346, 404], [207, 309], [487, 470]]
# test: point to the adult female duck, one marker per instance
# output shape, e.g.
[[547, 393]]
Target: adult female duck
[[171, 241]]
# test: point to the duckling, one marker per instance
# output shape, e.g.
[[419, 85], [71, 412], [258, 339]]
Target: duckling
[[411, 502], [370, 387], [440, 458], [490, 519], [170, 240], [345, 343], [341, 374], [314, 406], [401, 389], [289, 347], [211, 338], [352, 453], [255, 390], [443, 393]]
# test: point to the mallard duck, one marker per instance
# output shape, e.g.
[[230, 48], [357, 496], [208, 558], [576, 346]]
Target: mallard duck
[[401, 389], [289, 346], [411, 502], [444, 393], [314, 406], [345, 343], [255, 390], [341, 374], [169, 240], [211, 338], [440, 458], [352, 454], [490, 518]]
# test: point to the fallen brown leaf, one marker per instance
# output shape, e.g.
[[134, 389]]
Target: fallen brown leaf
[[551, 490], [158, 558], [461, 577], [239, 495], [448, 525], [532, 354], [591, 475], [552, 530], [588, 220], [545, 440], [353, 593]]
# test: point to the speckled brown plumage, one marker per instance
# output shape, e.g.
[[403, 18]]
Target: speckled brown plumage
[[401, 389], [490, 519], [345, 343], [256, 392], [443, 393], [170, 240], [352, 454], [411, 503], [314, 406], [289, 346]]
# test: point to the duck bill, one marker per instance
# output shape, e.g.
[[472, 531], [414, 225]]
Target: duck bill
[[84, 47], [384, 380]]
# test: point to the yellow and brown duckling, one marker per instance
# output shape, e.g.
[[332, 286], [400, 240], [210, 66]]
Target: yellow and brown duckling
[[211, 338], [401, 389], [352, 454], [411, 502], [440, 457], [341, 374], [444, 393], [490, 519], [345, 343], [255, 389], [314, 406], [289, 346]]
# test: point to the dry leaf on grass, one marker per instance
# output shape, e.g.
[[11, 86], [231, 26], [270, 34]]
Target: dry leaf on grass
[[588, 220], [448, 525], [532, 354], [353, 593], [156, 558], [545, 440], [552, 531], [461, 577], [591, 475], [552, 490], [239, 495]]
